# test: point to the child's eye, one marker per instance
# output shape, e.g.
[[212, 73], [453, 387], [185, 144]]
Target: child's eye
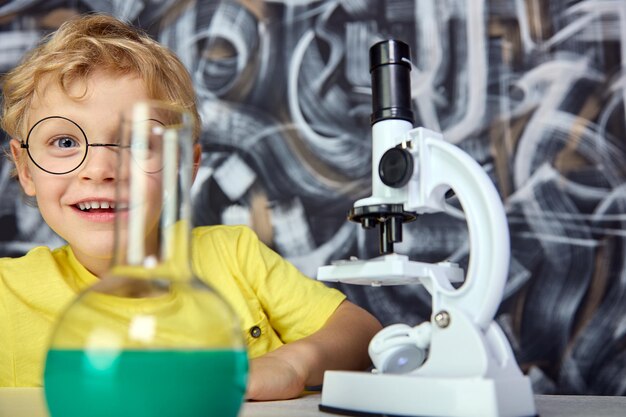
[[64, 142]]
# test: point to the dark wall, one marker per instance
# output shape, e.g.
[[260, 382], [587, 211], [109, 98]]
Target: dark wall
[[532, 89]]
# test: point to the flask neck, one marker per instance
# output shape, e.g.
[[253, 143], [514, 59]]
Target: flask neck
[[153, 223], [169, 260]]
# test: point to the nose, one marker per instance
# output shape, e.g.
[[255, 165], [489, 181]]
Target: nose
[[101, 164]]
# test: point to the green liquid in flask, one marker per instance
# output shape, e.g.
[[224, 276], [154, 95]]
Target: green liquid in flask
[[151, 383]]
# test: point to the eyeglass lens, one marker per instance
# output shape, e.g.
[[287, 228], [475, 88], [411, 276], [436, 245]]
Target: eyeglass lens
[[57, 144]]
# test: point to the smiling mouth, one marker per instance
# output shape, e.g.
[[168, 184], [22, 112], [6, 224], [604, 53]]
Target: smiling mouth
[[100, 206]]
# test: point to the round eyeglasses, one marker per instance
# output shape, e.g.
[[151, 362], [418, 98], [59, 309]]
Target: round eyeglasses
[[58, 145]]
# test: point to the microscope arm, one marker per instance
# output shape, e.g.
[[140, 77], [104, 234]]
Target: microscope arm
[[438, 167]]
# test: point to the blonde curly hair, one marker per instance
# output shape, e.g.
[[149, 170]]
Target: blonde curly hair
[[86, 44]]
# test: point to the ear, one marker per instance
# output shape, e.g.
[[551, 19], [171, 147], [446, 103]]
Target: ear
[[21, 167], [197, 156]]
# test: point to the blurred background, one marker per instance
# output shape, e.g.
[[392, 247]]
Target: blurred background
[[532, 89]]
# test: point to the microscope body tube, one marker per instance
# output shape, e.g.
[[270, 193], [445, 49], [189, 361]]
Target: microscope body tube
[[392, 116]]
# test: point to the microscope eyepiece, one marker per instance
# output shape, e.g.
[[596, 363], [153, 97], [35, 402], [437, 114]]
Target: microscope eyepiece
[[390, 69]]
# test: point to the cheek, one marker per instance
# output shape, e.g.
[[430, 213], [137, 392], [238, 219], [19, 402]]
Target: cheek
[[155, 200], [47, 190], [155, 192], [48, 202], [48, 195]]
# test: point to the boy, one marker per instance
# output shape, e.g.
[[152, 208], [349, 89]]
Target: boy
[[89, 71]]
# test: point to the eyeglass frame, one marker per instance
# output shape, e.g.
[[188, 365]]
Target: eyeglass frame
[[25, 145]]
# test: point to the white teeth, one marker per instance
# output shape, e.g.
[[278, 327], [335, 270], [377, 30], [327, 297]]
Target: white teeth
[[87, 205]]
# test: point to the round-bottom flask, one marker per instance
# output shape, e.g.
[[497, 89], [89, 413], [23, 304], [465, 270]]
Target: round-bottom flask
[[149, 339]]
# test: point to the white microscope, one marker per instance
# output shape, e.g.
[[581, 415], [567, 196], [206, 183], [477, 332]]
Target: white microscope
[[458, 364]]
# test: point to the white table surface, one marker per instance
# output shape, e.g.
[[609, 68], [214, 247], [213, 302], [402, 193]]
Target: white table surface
[[547, 406], [29, 402]]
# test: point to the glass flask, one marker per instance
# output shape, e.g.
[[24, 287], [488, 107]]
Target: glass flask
[[149, 339]]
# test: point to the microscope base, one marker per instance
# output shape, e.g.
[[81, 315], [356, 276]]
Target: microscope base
[[389, 395]]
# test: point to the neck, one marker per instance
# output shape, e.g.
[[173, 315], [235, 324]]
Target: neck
[[96, 265]]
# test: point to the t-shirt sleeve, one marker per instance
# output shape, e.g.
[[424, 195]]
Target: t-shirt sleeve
[[296, 305]]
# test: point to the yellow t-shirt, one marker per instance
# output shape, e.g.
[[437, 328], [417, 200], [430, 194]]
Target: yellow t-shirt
[[275, 303]]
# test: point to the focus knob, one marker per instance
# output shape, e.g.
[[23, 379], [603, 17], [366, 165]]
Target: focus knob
[[396, 167]]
